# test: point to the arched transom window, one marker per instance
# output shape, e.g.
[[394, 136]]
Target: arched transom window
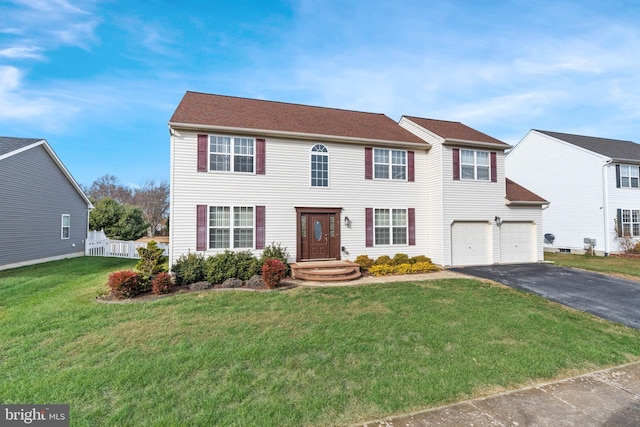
[[319, 166]]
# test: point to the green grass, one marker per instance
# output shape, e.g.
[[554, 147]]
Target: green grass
[[307, 356], [611, 265]]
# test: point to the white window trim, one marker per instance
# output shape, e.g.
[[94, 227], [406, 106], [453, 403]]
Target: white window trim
[[390, 165], [631, 222], [391, 227], [475, 165], [62, 227], [629, 176], [231, 154], [231, 228], [319, 153]]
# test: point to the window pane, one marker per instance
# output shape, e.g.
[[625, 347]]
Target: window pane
[[243, 146], [399, 236], [381, 171], [624, 181], [319, 148], [398, 172], [220, 144], [319, 170], [380, 156], [382, 218], [482, 158], [243, 164], [636, 229], [220, 162], [399, 217], [66, 219], [635, 215], [483, 173], [467, 172], [219, 216], [243, 217], [399, 162], [626, 215], [218, 238], [626, 229], [399, 157], [467, 157], [243, 238], [382, 236]]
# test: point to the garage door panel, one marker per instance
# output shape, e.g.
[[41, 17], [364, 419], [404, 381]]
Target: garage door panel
[[470, 243], [517, 242]]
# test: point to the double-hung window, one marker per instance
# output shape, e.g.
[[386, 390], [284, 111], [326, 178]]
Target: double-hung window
[[227, 231], [390, 164], [231, 154], [631, 222], [475, 165], [629, 176], [65, 231], [319, 166], [390, 226]]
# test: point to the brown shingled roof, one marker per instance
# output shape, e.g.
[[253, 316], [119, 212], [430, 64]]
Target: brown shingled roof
[[517, 193], [455, 130], [244, 113]]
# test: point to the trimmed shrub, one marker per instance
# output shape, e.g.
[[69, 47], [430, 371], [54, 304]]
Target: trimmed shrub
[[419, 267], [189, 269], [276, 251], [419, 258], [151, 259], [272, 272], [161, 283], [125, 284], [384, 260], [400, 258], [364, 261], [229, 264]]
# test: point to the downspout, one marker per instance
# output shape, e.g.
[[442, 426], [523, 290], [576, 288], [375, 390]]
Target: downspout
[[605, 205]]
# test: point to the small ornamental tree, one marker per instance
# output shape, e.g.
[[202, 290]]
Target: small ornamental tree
[[151, 259]]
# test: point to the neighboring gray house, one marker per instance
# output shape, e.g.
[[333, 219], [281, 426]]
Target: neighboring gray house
[[44, 215]]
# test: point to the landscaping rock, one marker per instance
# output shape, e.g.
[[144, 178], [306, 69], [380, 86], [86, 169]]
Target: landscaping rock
[[255, 282], [199, 286], [232, 283]]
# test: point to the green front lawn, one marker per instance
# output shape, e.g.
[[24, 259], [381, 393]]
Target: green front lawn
[[307, 356], [610, 265]]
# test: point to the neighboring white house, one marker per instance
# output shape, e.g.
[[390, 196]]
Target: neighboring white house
[[334, 184], [591, 183]]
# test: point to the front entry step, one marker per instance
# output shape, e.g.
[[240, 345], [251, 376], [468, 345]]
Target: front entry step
[[325, 271]]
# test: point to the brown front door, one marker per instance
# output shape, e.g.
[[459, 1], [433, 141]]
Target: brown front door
[[318, 236], [318, 233]]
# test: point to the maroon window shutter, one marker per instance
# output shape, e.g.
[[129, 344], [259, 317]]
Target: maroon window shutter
[[260, 156], [201, 226], [494, 169], [618, 177], [202, 153], [368, 163], [619, 215], [411, 166], [412, 226], [260, 227], [369, 226], [456, 164]]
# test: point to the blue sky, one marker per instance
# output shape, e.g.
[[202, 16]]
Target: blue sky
[[100, 79]]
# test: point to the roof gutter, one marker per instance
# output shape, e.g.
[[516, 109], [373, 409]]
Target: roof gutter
[[526, 203], [455, 141], [298, 135]]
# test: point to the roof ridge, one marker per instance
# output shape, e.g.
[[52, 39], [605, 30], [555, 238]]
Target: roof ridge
[[437, 120], [549, 132], [297, 104]]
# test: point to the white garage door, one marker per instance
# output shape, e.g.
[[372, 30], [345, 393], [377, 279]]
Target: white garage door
[[470, 243], [517, 242]]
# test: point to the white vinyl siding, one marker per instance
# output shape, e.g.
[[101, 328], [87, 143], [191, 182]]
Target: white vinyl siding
[[283, 188]]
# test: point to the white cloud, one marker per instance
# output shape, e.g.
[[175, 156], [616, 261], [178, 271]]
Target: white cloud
[[22, 52]]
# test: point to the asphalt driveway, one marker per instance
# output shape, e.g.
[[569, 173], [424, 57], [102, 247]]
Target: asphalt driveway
[[604, 296]]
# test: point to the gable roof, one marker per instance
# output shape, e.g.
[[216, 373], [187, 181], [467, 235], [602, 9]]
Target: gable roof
[[614, 148], [517, 194], [456, 131], [243, 114], [10, 146]]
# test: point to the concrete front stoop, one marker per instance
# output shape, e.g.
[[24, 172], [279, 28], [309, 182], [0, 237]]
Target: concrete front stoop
[[325, 271]]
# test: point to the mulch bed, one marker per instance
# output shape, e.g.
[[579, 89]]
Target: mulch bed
[[179, 290]]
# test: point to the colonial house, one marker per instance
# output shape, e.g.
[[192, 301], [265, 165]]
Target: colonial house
[[44, 215], [592, 184], [332, 184]]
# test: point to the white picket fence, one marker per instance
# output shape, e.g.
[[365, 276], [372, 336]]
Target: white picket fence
[[98, 244]]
